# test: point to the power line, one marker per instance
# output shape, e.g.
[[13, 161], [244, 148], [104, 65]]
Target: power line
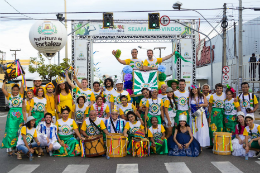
[[17, 10]]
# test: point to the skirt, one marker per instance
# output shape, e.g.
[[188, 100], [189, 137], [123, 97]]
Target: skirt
[[13, 123], [183, 138], [230, 122], [38, 116], [217, 124], [71, 148], [160, 148], [238, 149]]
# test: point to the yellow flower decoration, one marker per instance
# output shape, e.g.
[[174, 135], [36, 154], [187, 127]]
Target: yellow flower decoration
[[213, 127], [13, 141], [49, 84], [15, 84], [60, 80], [5, 135]]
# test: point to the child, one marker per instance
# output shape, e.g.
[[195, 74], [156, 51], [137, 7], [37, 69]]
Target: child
[[80, 111], [156, 133]]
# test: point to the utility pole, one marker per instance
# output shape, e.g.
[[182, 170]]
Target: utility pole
[[15, 52], [224, 26], [235, 56], [66, 46], [160, 49], [1, 69], [240, 51]]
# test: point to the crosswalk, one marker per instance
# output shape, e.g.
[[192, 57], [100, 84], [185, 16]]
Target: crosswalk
[[176, 167]]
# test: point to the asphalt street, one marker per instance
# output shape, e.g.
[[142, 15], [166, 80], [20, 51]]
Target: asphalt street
[[206, 162]]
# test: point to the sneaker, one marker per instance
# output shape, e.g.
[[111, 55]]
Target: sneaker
[[257, 154], [19, 156]]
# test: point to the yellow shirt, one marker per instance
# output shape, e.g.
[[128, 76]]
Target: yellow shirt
[[127, 125], [23, 131], [153, 63], [102, 125], [245, 133], [106, 107], [66, 101], [150, 135], [124, 109], [50, 106], [75, 126]]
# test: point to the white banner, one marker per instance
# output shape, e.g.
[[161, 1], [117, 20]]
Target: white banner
[[81, 59], [186, 67], [131, 29]]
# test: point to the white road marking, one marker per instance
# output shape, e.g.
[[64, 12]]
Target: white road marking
[[24, 168], [258, 162], [226, 167], [76, 169], [177, 167], [127, 168]]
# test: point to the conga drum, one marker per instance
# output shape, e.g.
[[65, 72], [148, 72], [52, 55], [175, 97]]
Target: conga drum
[[140, 147], [116, 145], [222, 143], [94, 146]]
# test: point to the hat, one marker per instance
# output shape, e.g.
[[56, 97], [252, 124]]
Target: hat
[[251, 116], [169, 82], [115, 109], [169, 89], [240, 113], [30, 118], [119, 81], [37, 78], [182, 117], [49, 84], [60, 80]]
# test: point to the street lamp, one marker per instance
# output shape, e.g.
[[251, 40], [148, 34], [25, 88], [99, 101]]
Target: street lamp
[[60, 17]]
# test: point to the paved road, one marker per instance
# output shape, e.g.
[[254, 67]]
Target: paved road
[[205, 163]]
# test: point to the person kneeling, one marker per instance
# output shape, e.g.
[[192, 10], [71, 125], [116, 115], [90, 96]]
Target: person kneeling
[[156, 133], [47, 134], [183, 143], [27, 133], [93, 125]]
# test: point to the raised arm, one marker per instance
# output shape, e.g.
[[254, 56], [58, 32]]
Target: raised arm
[[168, 56], [3, 89], [77, 81], [69, 81], [22, 88], [119, 60]]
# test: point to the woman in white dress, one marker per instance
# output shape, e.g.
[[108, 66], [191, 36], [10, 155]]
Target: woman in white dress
[[199, 124]]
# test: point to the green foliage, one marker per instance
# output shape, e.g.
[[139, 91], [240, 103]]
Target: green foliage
[[47, 71]]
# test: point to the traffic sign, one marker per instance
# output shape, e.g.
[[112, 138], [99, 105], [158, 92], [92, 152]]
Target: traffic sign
[[165, 20], [225, 77], [225, 69]]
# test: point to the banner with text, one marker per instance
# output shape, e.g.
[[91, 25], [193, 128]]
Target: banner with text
[[81, 59]]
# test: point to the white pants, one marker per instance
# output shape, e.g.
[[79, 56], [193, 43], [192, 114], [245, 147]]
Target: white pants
[[43, 141], [166, 121]]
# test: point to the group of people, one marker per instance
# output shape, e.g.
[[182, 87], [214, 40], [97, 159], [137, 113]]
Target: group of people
[[48, 117]]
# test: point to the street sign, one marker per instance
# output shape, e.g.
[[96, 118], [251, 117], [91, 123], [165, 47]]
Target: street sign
[[225, 69], [225, 77], [165, 20]]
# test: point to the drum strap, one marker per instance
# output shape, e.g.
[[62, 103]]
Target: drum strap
[[92, 122], [113, 125]]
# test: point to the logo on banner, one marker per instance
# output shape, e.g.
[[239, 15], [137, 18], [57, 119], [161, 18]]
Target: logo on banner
[[186, 54], [47, 28], [81, 56], [146, 85]]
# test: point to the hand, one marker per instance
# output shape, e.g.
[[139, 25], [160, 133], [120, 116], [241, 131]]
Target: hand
[[153, 144], [31, 150], [62, 144], [247, 149], [102, 89], [74, 77], [132, 95], [141, 121], [114, 52], [162, 138], [50, 147], [126, 135], [180, 146], [240, 141], [209, 120], [235, 100], [47, 140], [59, 115], [249, 144], [169, 123], [38, 143], [82, 138], [187, 145]]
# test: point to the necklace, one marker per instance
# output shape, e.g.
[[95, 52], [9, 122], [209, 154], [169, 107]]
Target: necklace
[[100, 113]]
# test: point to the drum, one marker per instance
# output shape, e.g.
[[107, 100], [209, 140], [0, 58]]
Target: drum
[[140, 147], [94, 146], [222, 143], [199, 112], [116, 145], [12, 69]]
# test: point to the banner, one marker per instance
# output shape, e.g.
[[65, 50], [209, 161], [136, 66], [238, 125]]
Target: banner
[[186, 67], [131, 29], [142, 80], [81, 59]]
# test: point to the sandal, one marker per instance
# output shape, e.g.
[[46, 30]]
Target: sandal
[[10, 153], [19, 156]]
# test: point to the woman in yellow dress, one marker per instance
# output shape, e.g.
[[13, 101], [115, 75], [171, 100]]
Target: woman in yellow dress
[[63, 96], [29, 96]]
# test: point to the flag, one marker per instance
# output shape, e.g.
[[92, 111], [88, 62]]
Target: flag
[[143, 79]]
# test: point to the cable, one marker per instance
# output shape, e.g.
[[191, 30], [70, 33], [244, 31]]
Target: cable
[[17, 10]]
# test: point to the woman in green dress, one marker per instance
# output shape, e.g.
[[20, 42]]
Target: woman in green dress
[[15, 117], [66, 128]]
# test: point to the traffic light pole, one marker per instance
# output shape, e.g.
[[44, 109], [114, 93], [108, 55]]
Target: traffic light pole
[[211, 64]]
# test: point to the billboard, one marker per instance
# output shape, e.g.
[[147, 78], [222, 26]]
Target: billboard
[[81, 59]]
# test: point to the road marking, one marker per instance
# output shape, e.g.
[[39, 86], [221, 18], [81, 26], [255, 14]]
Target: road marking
[[258, 162], [5, 115], [76, 169], [177, 167], [127, 168], [226, 167], [24, 168]]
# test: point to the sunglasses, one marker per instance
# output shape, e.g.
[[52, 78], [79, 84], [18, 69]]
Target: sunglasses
[[49, 87]]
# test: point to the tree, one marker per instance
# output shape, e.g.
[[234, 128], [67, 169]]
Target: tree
[[47, 72]]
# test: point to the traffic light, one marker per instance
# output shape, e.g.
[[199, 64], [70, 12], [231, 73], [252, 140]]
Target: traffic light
[[108, 21], [154, 20]]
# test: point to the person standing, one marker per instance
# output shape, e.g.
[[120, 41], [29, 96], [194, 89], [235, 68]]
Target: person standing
[[80, 111], [15, 116], [37, 82], [96, 89], [247, 101], [115, 95], [142, 105], [102, 109], [163, 95], [216, 111], [173, 84], [50, 106], [199, 123], [109, 84], [252, 61], [182, 99], [205, 91], [231, 106], [29, 97], [135, 63]]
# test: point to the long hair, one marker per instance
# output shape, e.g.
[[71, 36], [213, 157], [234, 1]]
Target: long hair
[[65, 108], [98, 96], [179, 126], [150, 94], [109, 79], [28, 124], [58, 90], [38, 91], [200, 95], [229, 90], [176, 105], [131, 112]]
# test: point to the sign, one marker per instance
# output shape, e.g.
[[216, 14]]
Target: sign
[[225, 69], [186, 67], [165, 20], [225, 78], [81, 59], [95, 28]]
